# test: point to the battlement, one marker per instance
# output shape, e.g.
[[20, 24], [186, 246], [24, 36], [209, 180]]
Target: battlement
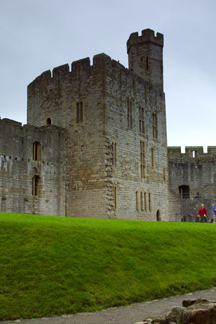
[[191, 152], [63, 72], [147, 36]]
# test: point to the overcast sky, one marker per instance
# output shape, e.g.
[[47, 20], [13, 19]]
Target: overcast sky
[[37, 35]]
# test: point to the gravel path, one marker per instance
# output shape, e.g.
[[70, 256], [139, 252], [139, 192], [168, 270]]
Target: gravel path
[[123, 315]]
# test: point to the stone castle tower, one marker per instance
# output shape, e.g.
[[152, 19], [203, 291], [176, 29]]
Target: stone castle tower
[[145, 57], [95, 143]]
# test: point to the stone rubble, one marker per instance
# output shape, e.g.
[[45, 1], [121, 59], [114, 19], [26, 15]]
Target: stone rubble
[[196, 311]]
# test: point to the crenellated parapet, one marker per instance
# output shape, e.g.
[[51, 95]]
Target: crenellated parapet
[[191, 152], [147, 36], [145, 56], [64, 72], [52, 96]]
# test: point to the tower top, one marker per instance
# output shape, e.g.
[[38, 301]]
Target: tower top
[[148, 36], [145, 56]]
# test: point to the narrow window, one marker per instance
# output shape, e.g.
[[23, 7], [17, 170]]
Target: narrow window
[[35, 183], [154, 125], [137, 201], [129, 113], [164, 174], [184, 192], [79, 112], [48, 121], [141, 200], [141, 120], [113, 153], [142, 159], [149, 201], [36, 151], [145, 202], [115, 197], [194, 154]]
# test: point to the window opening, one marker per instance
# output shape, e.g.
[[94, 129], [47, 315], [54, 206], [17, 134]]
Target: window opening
[[137, 201], [36, 151], [48, 121], [129, 113], [149, 198], [154, 125], [194, 154], [141, 120], [142, 159], [184, 192], [115, 197], [79, 112], [35, 183], [145, 202], [141, 200], [164, 174]]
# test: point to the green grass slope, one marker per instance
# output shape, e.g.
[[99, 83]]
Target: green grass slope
[[53, 265]]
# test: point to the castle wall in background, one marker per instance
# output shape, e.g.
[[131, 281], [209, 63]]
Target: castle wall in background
[[192, 178], [32, 168]]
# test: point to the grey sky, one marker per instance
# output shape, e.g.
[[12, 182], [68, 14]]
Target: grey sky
[[37, 35]]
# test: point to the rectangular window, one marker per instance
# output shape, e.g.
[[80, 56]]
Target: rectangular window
[[164, 174], [141, 120], [145, 202], [115, 197], [142, 159], [113, 153], [141, 201], [79, 112], [149, 198], [129, 114], [36, 151], [194, 153], [137, 201], [35, 182], [154, 125]]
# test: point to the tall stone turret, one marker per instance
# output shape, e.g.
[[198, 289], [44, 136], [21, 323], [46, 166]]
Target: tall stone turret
[[145, 56]]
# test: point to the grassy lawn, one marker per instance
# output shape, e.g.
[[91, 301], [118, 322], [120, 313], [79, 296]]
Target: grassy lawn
[[54, 265]]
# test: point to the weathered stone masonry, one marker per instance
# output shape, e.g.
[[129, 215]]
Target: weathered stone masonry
[[95, 143], [192, 178], [19, 167]]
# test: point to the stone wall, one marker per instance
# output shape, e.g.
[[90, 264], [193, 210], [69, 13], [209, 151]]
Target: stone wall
[[18, 167], [123, 86], [193, 170], [58, 97], [95, 187]]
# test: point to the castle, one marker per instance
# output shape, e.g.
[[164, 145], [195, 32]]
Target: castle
[[95, 144]]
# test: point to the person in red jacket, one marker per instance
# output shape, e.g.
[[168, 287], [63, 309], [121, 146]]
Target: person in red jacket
[[202, 213]]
